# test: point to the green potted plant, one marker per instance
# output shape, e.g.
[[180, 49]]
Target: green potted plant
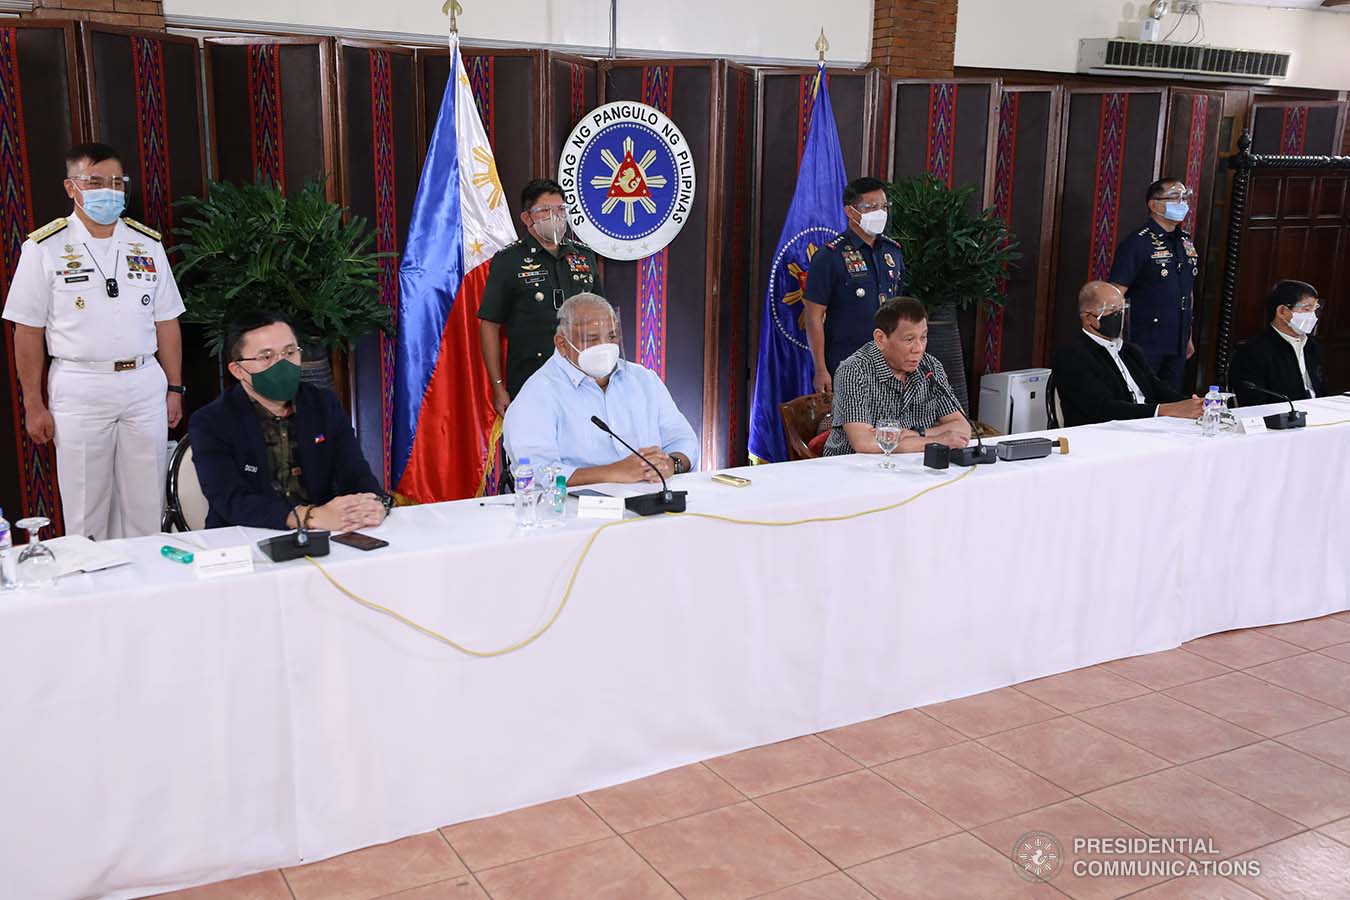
[[955, 255], [250, 247]]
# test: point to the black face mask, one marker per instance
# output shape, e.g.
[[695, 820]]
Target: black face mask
[[1110, 325]]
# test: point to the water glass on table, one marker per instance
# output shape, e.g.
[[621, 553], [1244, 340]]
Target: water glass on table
[[888, 438]]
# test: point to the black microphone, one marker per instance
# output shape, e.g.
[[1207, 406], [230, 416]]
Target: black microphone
[[299, 543], [978, 455], [1282, 420], [664, 500]]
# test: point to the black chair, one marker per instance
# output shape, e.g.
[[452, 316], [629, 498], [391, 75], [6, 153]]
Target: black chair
[[185, 505], [1054, 411]]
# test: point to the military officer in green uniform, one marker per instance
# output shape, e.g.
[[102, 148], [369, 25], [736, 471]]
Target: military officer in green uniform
[[528, 282]]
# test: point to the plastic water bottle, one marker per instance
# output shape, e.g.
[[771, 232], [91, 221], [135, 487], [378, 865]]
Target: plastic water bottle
[[1209, 420], [8, 573], [523, 474]]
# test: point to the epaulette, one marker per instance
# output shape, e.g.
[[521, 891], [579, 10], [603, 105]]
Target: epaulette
[[579, 242], [55, 226], [143, 229], [836, 242]]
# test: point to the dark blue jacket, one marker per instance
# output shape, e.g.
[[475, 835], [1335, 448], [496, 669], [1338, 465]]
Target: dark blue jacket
[[1159, 269], [232, 465]]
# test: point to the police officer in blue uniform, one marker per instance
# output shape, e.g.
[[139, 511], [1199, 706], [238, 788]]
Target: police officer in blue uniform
[[849, 278], [1156, 267]]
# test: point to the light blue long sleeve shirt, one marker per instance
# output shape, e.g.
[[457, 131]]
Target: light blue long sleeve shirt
[[549, 421]]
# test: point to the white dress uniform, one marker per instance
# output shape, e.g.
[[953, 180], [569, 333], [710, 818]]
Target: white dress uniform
[[105, 389]]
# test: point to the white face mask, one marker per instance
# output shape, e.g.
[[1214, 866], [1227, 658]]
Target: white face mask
[[873, 222], [599, 360], [1304, 322], [551, 230]]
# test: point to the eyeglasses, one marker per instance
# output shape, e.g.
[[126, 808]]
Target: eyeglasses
[[103, 182], [870, 207], [1175, 195], [559, 210], [269, 356], [1316, 307]]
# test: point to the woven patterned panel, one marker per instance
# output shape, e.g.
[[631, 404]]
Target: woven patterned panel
[[148, 57], [1195, 153], [1294, 131], [481, 73], [1106, 196], [386, 228], [1004, 165], [651, 287], [941, 131], [37, 478], [264, 107]]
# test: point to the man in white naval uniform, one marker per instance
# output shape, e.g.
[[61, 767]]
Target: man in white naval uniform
[[94, 291]]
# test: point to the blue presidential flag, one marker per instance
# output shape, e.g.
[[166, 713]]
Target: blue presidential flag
[[815, 216]]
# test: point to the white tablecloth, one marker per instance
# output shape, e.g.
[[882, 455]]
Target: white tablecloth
[[159, 731]]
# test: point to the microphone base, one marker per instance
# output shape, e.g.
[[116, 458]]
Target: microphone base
[[285, 547], [974, 456], [657, 503], [1293, 419]]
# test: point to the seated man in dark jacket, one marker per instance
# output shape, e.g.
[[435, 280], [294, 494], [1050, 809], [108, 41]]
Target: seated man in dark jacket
[[1100, 378], [1284, 357], [270, 448]]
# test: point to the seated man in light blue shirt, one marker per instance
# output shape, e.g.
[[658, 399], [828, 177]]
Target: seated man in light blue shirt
[[549, 422]]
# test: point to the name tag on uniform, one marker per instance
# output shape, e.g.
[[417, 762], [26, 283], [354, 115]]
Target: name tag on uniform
[[73, 279]]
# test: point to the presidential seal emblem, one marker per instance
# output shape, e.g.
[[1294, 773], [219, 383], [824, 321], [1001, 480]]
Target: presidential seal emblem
[[787, 282], [1037, 856], [628, 180]]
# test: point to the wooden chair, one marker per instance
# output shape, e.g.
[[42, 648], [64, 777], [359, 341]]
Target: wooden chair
[[802, 421]]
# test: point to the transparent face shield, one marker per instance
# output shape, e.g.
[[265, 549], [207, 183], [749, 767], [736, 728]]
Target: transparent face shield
[[597, 338], [549, 221]]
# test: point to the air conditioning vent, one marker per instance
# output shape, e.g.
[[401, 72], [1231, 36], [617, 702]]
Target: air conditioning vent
[[1190, 61]]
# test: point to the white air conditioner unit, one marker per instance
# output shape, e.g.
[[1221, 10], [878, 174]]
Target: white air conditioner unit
[[1121, 56]]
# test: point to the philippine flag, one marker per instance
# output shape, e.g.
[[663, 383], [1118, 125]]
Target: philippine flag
[[445, 429]]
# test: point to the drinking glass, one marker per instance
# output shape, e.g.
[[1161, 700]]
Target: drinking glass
[[37, 567], [888, 438]]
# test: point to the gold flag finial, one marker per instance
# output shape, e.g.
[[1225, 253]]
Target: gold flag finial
[[452, 9], [822, 45]]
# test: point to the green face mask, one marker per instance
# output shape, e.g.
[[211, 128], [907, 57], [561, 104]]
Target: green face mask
[[279, 381]]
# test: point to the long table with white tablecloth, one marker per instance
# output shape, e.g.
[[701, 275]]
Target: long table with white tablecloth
[[160, 730]]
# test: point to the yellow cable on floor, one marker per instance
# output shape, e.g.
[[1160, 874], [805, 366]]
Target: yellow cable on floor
[[585, 551]]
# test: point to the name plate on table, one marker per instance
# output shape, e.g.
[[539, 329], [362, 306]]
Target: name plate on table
[[1251, 424], [222, 561], [592, 507]]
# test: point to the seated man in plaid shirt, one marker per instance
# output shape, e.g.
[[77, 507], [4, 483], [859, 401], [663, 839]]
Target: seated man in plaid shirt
[[892, 378]]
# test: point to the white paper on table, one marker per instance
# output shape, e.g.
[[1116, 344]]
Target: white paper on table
[[77, 553]]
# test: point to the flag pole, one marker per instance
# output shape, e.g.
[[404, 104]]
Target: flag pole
[[452, 9], [821, 46]]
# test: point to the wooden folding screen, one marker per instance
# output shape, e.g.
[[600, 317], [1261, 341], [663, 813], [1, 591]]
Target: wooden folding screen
[[39, 120], [947, 129], [1112, 146], [271, 110], [378, 137], [1297, 127], [508, 86], [672, 301], [572, 89], [1026, 160], [145, 99]]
